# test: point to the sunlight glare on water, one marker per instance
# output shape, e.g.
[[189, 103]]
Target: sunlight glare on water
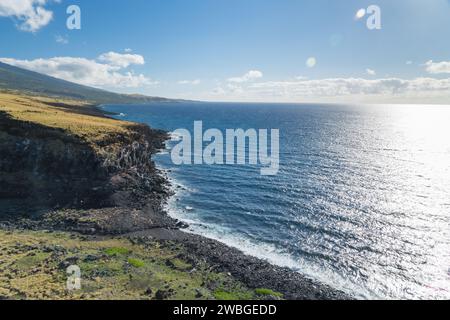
[[361, 202]]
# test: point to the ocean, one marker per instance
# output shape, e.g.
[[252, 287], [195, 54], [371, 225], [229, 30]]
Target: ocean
[[361, 201]]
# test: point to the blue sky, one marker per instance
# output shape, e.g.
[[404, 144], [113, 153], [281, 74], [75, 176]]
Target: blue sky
[[234, 50]]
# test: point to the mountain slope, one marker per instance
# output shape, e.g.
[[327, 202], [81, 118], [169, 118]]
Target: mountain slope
[[14, 78]]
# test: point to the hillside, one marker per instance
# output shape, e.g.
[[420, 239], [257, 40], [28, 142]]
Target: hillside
[[25, 81]]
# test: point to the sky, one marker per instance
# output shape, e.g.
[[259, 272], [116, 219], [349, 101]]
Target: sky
[[235, 50]]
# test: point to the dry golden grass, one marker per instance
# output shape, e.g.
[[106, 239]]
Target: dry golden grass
[[62, 114]]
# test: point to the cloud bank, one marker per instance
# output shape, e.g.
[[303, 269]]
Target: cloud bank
[[107, 71], [383, 90], [30, 14], [355, 86]]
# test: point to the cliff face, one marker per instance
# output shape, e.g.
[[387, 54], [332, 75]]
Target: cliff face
[[43, 167], [46, 168]]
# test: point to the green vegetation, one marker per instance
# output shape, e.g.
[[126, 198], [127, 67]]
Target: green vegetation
[[33, 266], [222, 295], [181, 265], [117, 251], [233, 295], [268, 292], [31, 260], [237, 294], [136, 263]]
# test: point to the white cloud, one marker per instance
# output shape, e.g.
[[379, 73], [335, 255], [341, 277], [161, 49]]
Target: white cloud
[[311, 62], [235, 89], [409, 62], [128, 50], [371, 72], [218, 91], [61, 39], [190, 82], [31, 14], [249, 76], [437, 67], [121, 60], [87, 72]]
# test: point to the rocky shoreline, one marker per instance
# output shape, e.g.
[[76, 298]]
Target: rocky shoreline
[[116, 192]]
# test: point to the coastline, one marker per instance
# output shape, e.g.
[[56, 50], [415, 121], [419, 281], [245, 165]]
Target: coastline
[[241, 250], [127, 202], [249, 269]]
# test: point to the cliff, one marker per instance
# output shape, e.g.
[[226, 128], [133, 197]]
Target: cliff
[[67, 155]]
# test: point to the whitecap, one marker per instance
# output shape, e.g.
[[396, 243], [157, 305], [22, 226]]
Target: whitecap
[[175, 137]]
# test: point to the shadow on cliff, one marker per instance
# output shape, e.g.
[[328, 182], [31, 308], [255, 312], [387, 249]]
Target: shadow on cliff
[[43, 167]]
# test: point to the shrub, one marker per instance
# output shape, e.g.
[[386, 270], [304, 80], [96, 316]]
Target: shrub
[[117, 251], [136, 263], [268, 292]]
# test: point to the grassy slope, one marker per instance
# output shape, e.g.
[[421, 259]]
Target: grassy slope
[[33, 266], [59, 113]]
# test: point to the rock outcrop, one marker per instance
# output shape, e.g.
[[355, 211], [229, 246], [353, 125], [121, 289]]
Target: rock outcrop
[[44, 168]]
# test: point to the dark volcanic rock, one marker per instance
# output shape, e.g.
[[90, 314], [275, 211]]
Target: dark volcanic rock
[[44, 170], [162, 295], [257, 273], [43, 167], [254, 272]]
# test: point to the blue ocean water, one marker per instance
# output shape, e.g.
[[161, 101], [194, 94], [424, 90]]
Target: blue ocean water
[[361, 201]]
